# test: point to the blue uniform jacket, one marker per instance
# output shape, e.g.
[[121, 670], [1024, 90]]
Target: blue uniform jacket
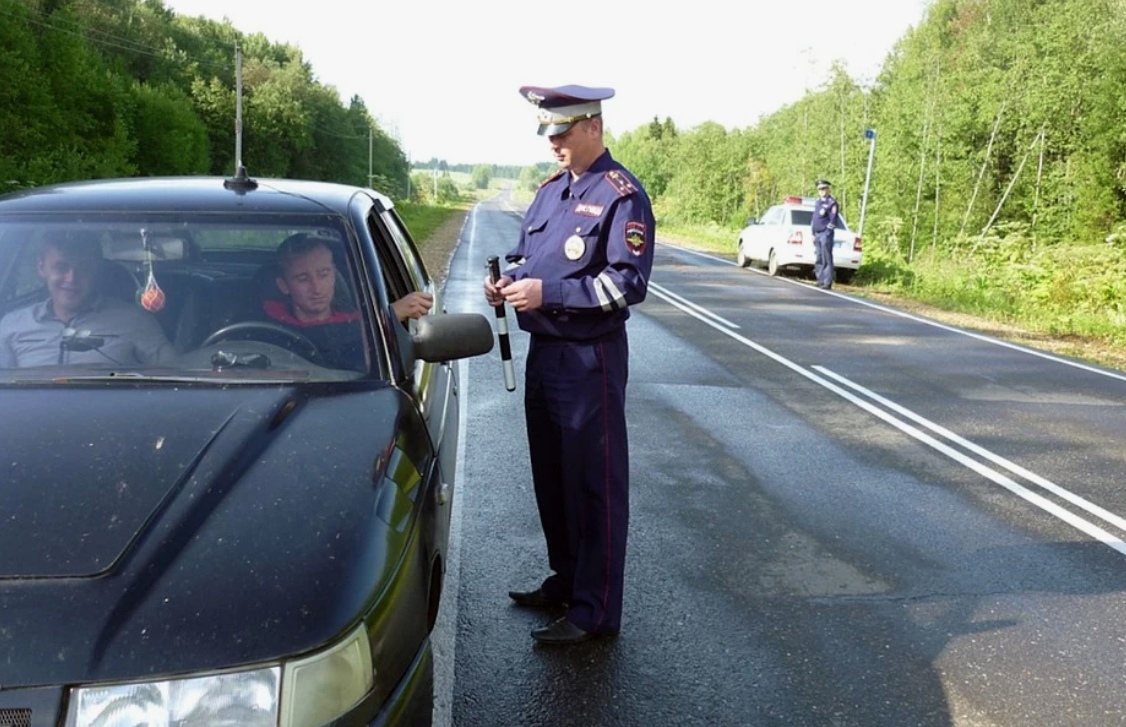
[[825, 213], [590, 240]]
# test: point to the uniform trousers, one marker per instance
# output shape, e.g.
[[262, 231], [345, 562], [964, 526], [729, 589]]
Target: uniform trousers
[[574, 403], [823, 257]]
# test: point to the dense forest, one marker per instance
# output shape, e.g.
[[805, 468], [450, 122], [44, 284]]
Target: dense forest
[[1006, 107], [999, 168], [109, 88]]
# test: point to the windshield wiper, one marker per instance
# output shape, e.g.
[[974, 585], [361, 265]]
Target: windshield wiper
[[224, 360]]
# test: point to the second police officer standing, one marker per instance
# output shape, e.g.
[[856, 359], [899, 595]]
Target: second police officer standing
[[583, 258], [825, 211]]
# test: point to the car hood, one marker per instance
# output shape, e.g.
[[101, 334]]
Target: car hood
[[161, 529]]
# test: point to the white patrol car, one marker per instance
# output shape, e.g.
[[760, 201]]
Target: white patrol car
[[783, 240]]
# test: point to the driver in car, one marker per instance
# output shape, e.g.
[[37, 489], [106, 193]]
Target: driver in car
[[77, 324], [307, 279]]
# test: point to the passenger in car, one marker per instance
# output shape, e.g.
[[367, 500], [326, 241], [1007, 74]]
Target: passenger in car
[[307, 278], [78, 324]]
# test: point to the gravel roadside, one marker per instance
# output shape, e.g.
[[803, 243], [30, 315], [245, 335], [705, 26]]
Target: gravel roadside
[[437, 249]]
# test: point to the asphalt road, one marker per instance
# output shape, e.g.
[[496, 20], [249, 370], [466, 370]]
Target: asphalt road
[[841, 515]]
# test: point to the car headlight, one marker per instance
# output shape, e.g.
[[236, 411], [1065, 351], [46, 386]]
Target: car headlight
[[313, 691], [324, 686], [241, 698]]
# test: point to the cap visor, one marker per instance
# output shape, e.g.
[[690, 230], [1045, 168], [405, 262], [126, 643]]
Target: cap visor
[[554, 129]]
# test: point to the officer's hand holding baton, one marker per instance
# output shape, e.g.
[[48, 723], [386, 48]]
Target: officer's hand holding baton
[[502, 328]]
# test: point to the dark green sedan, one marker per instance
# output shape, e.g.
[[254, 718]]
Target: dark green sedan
[[226, 456]]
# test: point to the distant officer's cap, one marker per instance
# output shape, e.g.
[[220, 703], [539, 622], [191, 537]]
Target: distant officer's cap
[[823, 184], [564, 106]]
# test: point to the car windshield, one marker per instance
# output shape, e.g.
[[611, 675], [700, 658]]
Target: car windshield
[[227, 298]]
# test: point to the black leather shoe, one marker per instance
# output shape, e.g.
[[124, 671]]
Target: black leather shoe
[[535, 599], [561, 631]]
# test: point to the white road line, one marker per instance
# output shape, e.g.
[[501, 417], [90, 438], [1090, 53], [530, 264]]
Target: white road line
[[444, 638], [670, 296], [1039, 501], [918, 319], [724, 326], [1104, 515]]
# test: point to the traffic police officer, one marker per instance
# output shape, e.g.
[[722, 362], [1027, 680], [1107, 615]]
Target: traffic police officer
[[825, 211], [583, 259]]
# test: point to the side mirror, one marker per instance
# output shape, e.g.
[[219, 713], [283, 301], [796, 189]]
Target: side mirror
[[451, 336], [751, 221]]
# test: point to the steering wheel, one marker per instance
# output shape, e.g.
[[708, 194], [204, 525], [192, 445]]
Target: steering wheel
[[304, 347]]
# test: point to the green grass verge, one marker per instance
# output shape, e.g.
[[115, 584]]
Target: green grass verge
[[1055, 290], [710, 238], [423, 219]]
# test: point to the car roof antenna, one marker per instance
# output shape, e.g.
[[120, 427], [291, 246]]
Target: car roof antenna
[[240, 183]]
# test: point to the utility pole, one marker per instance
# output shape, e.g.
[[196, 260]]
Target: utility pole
[[870, 135]]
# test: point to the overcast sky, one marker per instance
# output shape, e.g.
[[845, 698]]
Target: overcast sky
[[443, 77]]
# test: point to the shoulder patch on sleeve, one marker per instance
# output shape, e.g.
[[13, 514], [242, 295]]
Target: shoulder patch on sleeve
[[621, 183], [635, 237]]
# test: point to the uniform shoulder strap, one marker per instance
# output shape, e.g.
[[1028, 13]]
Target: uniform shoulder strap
[[622, 184], [552, 178]]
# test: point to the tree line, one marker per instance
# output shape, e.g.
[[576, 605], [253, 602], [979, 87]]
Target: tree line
[[999, 166], [987, 110], [117, 88], [989, 115]]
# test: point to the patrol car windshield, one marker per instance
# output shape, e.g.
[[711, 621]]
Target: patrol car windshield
[[189, 297]]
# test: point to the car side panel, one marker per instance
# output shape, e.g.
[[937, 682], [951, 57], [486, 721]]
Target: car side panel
[[434, 384], [431, 386]]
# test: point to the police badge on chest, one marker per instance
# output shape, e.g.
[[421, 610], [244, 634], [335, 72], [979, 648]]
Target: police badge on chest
[[574, 247]]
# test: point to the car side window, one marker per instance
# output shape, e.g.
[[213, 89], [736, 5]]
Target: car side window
[[411, 260], [399, 276], [396, 275], [26, 278], [801, 218], [19, 266]]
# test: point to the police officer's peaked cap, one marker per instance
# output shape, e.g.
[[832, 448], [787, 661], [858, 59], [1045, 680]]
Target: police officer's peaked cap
[[824, 184], [564, 106]]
